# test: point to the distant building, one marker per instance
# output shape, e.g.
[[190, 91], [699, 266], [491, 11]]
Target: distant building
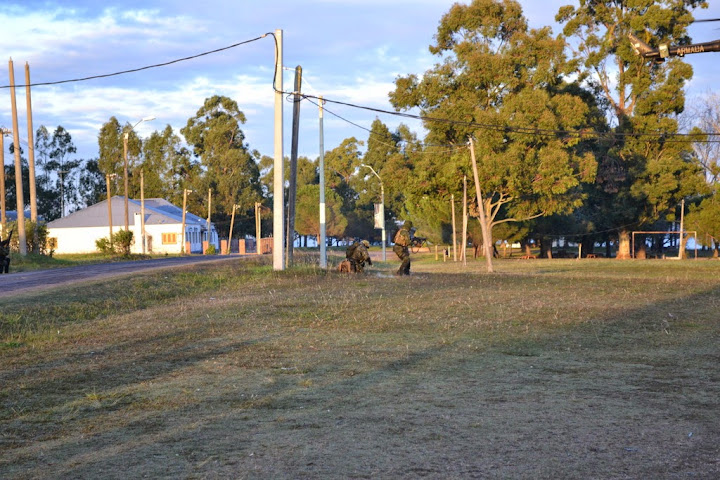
[[78, 231]]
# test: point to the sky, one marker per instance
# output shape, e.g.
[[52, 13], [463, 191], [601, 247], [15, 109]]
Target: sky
[[350, 50]]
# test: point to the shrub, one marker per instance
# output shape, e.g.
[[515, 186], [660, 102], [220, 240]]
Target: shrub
[[36, 237], [122, 240]]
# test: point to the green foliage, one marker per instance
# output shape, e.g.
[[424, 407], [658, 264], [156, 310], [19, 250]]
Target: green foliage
[[121, 243], [705, 219], [307, 212], [210, 250], [36, 237], [123, 240], [104, 245], [495, 71], [229, 168], [642, 177]]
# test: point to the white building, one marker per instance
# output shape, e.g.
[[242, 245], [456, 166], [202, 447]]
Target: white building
[[77, 232]]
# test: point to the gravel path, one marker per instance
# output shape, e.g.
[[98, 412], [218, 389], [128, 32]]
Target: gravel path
[[14, 283]]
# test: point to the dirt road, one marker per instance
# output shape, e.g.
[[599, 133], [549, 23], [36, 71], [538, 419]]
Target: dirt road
[[22, 282]]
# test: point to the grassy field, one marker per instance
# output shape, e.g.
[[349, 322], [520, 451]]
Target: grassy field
[[546, 369]]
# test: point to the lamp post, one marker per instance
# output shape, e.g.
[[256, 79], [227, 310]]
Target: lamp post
[[382, 208], [125, 160]]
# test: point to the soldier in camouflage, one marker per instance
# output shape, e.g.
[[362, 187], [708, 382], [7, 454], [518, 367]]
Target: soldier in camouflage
[[402, 242], [5, 254], [357, 254]]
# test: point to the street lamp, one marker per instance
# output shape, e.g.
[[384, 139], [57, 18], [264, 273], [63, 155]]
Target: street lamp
[[125, 158], [382, 208]]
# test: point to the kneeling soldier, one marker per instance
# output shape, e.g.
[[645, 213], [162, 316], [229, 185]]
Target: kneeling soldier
[[357, 254]]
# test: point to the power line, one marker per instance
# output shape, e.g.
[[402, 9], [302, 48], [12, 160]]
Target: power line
[[450, 148], [581, 134], [588, 134], [133, 70]]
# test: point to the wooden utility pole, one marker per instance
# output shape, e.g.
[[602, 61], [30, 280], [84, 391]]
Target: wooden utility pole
[[182, 233], [258, 233], [681, 243], [109, 202], [31, 153], [292, 189], [465, 222], [3, 218], [142, 209], [125, 174], [208, 219], [487, 240], [452, 208], [232, 224], [22, 239]]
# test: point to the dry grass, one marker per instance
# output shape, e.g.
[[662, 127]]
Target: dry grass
[[548, 369]]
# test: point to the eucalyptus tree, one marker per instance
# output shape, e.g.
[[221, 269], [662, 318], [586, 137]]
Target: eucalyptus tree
[[341, 175], [65, 167], [644, 171], [166, 166], [506, 86], [112, 155], [229, 168], [307, 210]]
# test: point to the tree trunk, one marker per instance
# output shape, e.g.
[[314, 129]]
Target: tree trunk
[[545, 247], [623, 252], [683, 243], [608, 247]]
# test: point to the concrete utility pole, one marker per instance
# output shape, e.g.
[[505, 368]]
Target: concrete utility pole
[[292, 190], [323, 241], [278, 176], [3, 215], [182, 247], [31, 152], [22, 239], [487, 241]]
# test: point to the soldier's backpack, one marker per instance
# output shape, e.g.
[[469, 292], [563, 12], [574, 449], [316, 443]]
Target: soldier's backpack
[[402, 238]]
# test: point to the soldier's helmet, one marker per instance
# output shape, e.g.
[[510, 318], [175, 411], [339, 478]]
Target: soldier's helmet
[[366, 243], [408, 224]]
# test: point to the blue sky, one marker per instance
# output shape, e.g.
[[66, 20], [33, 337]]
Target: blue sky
[[350, 50]]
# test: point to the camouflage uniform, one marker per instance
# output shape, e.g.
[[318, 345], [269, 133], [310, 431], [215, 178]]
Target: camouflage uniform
[[357, 254], [402, 242], [5, 255]]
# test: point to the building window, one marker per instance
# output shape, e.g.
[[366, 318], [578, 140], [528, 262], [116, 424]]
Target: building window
[[169, 238]]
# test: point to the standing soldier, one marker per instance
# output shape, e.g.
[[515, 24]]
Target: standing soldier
[[357, 254], [5, 254], [402, 242]]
